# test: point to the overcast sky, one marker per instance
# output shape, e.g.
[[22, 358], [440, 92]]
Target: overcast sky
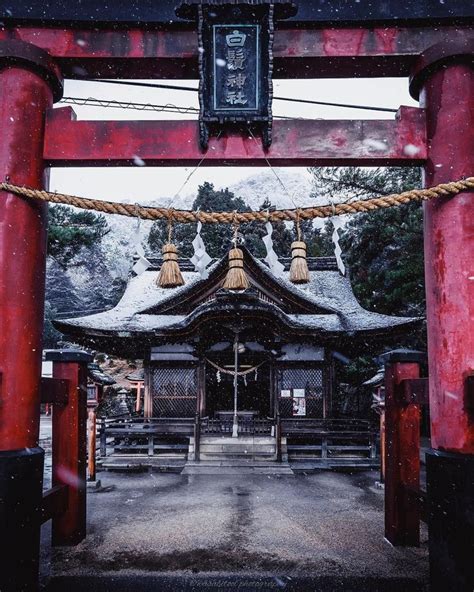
[[142, 183]]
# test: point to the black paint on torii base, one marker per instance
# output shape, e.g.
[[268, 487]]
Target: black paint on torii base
[[21, 496], [450, 489]]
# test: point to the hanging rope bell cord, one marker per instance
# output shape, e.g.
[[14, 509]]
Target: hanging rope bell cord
[[236, 278], [299, 273], [170, 274]]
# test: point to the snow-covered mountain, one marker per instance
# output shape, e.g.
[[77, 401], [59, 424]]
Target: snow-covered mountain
[[97, 279], [283, 188]]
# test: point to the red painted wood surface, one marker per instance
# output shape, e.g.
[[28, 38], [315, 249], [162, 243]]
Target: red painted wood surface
[[449, 256], [402, 458], [299, 53], [69, 453], [24, 99], [296, 142], [382, 446]]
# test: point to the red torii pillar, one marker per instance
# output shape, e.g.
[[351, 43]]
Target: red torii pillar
[[444, 82], [29, 83]]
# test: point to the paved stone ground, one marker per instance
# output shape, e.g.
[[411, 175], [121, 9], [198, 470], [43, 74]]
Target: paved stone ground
[[322, 531]]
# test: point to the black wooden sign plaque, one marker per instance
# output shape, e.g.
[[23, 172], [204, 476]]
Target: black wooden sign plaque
[[237, 68], [235, 63]]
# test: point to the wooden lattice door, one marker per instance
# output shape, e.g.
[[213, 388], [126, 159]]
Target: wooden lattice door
[[174, 391]]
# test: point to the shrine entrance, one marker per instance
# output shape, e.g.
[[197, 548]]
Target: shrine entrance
[[254, 393]]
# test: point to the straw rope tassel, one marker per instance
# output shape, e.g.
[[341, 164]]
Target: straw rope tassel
[[236, 278], [299, 272], [170, 274]]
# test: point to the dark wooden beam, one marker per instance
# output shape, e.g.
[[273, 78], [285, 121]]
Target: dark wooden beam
[[55, 502], [299, 53], [153, 13], [399, 142]]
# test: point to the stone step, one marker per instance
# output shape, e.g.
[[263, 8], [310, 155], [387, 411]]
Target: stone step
[[236, 456], [238, 448], [246, 440], [245, 448], [233, 467], [165, 466], [234, 462]]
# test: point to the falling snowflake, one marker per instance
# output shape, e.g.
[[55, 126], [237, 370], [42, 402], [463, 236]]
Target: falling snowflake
[[410, 150], [138, 161]]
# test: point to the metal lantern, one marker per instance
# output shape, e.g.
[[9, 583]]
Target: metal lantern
[[235, 63]]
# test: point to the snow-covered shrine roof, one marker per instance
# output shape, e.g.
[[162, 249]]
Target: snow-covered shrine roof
[[326, 306]]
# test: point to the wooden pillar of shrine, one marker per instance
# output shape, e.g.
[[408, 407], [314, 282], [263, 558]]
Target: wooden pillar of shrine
[[147, 394], [70, 445], [443, 80], [402, 450], [29, 83]]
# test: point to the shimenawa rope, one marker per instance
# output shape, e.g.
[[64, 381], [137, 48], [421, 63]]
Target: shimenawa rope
[[232, 372], [292, 215]]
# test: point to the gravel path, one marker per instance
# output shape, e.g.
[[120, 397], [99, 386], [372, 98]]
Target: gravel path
[[327, 525]]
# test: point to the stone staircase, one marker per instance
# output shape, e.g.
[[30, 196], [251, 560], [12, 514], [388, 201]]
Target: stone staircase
[[245, 454]]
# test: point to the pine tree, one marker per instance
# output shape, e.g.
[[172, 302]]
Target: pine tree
[[217, 237], [70, 230], [384, 248], [281, 235], [383, 251]]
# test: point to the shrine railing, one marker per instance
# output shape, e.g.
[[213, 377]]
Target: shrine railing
[[330, 441], [299, 425], [147, 436], [247, 426]]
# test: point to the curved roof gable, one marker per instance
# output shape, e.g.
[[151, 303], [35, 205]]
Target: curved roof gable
[[326, 305], [279, 291]]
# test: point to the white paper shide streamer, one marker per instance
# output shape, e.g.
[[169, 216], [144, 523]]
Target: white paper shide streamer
[[201, 258], [337, 224], [276, 267], [142, 263]]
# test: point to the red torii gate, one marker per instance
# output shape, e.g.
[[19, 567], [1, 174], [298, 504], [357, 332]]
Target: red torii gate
[[33, 60]]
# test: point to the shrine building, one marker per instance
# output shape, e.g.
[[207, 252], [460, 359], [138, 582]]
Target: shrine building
[[280, 338]]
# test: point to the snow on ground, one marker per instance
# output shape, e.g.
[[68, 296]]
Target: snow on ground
[[324, 524]]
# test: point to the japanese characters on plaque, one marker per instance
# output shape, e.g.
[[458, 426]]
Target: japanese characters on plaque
[[236, 67]]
